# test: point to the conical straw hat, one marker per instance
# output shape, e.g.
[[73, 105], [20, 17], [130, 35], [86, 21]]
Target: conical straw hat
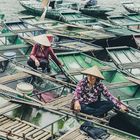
[[42, 40], [93, 71]]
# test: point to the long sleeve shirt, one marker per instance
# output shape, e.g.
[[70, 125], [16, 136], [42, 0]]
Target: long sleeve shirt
[[39, 54], [85, 94]]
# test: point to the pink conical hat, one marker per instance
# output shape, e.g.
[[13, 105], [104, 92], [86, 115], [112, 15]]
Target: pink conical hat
[[42, 40]]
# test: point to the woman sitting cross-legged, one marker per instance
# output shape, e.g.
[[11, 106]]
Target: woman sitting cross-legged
[[87, 95]]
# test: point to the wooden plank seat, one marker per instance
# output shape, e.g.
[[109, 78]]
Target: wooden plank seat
[[118, 48], [130, 65], [8, 34], [16, 129], [63, 104], [137, 81], [8, 106], [81, 19], [13, 47], [27, 30], [120, 85], [78, 71], [13, 77]]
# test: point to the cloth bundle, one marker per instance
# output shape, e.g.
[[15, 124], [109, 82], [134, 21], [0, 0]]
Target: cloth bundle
[[94, 132]]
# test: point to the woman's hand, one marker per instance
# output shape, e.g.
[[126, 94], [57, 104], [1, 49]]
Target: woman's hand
[[77, 106], [123, 108], [37, 63]]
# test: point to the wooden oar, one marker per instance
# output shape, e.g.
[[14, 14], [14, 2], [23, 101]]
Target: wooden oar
[[45, 4]]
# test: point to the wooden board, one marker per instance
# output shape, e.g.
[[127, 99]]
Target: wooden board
[[17, 129], [13, 77]]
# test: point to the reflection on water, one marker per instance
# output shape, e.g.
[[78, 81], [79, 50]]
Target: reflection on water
[[36, 116]]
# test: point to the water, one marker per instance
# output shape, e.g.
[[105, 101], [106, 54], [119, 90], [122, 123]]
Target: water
[[12, 9]]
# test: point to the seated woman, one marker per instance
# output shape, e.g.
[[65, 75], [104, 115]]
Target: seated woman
[[40, 53], [87, 95]]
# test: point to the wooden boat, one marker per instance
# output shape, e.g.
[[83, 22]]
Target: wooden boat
[[75, 62], [131, 7], [75, 134], [22, 29], [124, 86], [62, 14], [96, 11], [135, 104], [64, 30], [80, 46], [126, 58], [121, 31], [133, 16], [125, 22], [122, 21]]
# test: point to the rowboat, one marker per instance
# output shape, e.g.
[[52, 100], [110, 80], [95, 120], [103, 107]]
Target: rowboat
[[96, 11], [62, 14], [135, 104], [121, 31], [22, 29], [80, 46], [125, 22], [131, 7], [64, 30], [75, 133], [133, 16], [124, 84], [12, 76], [126, 58]]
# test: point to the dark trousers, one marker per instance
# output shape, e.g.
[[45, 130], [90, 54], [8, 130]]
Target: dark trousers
[[97, 109], [43, 64]]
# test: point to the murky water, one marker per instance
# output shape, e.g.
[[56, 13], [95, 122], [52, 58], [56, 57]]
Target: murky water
[[11, 9]]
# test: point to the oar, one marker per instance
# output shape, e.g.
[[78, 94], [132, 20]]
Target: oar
[[45, 4]]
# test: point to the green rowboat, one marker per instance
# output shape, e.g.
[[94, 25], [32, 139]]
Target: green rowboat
[[131, 7], [126, 58]]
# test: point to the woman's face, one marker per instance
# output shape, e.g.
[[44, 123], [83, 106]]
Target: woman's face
[[92, 79]]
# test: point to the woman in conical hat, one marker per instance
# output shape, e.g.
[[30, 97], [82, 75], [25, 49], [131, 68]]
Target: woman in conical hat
[[87, 95], [41, 51]]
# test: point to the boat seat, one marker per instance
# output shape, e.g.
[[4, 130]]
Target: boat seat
[[82, 19], [27, 30], [120, 85], [103, 69], [130, 65], [13, 77], [13, 47], [7, 34]]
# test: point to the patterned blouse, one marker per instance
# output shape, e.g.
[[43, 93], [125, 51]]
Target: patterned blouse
[[39, 54], [85, 94]]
